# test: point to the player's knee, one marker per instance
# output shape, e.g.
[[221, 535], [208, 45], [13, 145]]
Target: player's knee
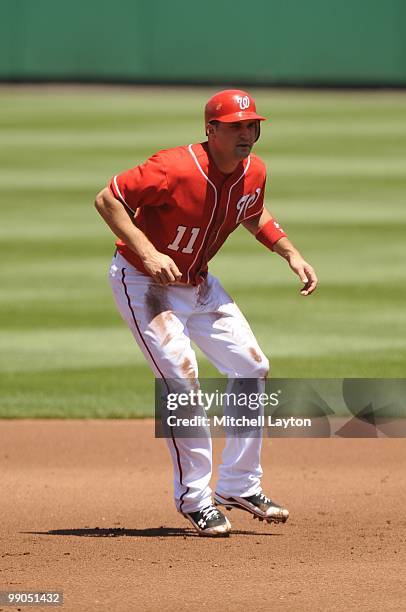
[[262, 368], [257, 365]]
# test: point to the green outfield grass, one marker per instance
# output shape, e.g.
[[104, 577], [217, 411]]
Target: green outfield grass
[[337, 183]]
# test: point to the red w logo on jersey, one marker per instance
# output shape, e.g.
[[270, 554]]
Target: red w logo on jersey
[[247, 201]]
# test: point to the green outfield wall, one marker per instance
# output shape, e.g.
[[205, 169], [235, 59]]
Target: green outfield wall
[[266, 41]]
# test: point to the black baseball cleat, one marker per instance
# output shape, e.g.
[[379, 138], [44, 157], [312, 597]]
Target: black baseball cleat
[[258, 505], [209, 522]]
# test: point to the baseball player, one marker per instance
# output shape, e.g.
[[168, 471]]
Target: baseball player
[[171, 215]]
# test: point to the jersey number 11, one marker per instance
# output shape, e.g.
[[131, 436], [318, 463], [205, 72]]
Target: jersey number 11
[[180, 232]]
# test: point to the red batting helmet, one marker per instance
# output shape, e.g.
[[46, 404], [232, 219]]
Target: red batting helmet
[[231, 105]]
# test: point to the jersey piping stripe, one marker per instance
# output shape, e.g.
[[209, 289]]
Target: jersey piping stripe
[[192, 153], [229, 196], [165, 381], [121, 195]]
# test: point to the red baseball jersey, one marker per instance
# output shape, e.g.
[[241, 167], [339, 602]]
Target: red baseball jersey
[[186, 207]]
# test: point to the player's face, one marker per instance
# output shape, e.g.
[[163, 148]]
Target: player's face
[[235, 140]]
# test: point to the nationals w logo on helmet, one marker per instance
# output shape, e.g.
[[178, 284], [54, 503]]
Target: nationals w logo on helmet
[[231, 105], [243, 101]]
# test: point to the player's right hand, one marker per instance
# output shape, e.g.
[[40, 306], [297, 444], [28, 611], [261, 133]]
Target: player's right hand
[[162, 268]]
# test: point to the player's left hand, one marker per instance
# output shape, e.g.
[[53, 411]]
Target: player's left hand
[[305, 272]]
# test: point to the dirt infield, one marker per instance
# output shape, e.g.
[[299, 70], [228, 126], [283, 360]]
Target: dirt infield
[[86, 508]]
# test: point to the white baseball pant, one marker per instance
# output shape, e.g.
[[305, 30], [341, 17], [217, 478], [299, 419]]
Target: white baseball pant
[[164, 321]]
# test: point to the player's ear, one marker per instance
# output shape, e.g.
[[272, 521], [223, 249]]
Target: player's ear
[[210, 129], [258, 131]]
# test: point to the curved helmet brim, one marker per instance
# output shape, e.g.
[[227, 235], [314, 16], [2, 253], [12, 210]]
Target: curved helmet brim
[[239, 116]]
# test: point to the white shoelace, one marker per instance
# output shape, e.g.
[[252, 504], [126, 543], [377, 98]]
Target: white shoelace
[[210, 512], [264, 498]]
